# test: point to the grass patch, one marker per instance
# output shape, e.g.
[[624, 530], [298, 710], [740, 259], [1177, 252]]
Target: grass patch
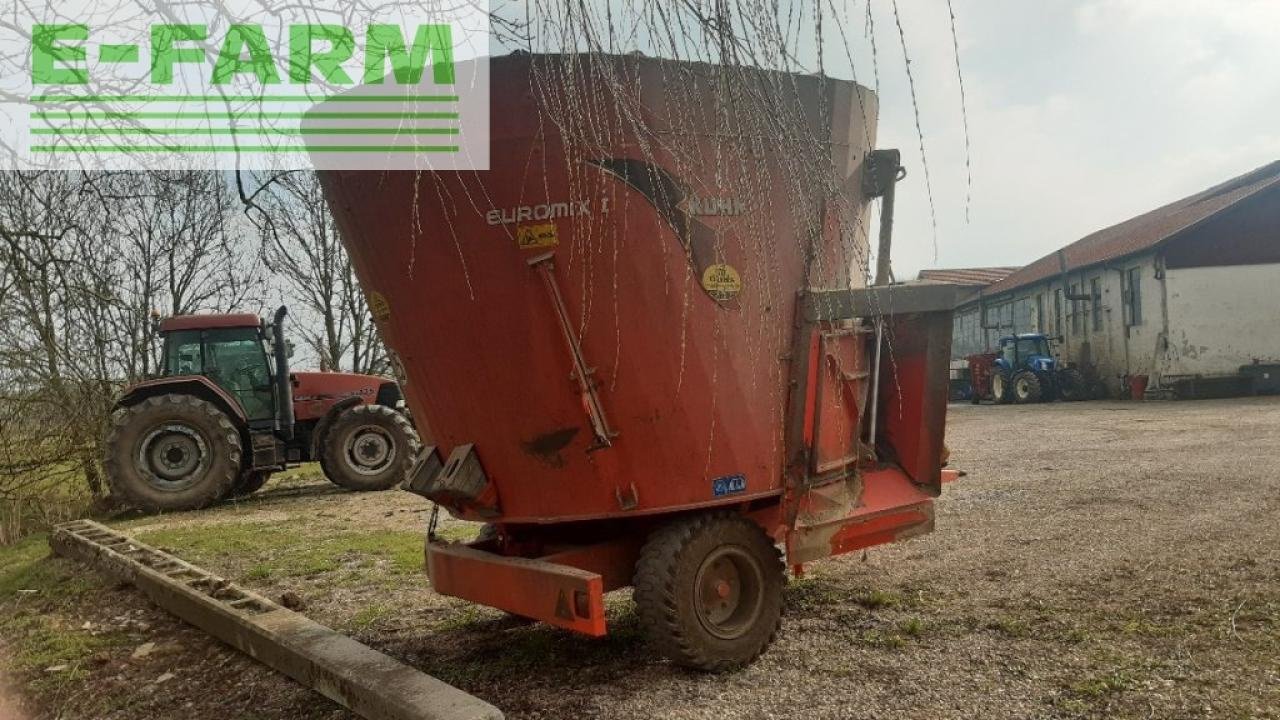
[[912, 627], [1100, 686], [292, 549], [369, 616], [879, 599], [882, 639], [1012, 627], [43, 643]]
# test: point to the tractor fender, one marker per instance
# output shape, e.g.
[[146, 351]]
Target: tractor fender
[[194, 385], [322, 427]]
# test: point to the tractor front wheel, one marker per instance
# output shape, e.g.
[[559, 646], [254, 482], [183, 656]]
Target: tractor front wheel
[[708, 590], [999, 387], [369, 447], [172, 452], [1026, 388]]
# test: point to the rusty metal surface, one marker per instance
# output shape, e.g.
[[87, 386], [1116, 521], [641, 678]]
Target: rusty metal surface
[[349, 673], [687, 376], [882, 506], [554, 593], [899, 299]]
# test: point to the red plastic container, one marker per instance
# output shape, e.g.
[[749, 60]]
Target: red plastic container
[[1138, 386]]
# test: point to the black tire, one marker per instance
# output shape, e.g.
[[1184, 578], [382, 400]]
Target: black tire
[[1000, 383], [1026, 388], [368, 447], [249, 483], [172, 452], [1072, 385], [679, 566]]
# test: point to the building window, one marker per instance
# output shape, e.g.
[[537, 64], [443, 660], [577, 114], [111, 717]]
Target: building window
[[1040, 313], [1075, 309], [1095, 291], [1133, 297]]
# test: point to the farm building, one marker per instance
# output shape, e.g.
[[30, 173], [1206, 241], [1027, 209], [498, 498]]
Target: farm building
[[1185, 295]]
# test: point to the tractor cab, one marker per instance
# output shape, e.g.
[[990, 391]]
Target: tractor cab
[[238, 354], [233, 351], [1030, 351]]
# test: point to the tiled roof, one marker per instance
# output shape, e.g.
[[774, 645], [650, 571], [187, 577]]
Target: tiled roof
[[969, 277], [1145, 231]]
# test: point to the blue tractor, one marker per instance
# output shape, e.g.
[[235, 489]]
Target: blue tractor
[[1025, 371]]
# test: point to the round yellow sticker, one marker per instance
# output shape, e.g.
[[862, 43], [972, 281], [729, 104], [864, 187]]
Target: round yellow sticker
[[379, 308], [721, 282]]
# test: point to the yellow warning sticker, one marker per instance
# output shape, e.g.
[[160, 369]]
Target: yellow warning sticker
[[379, 308], [529, 237], [721, 282]]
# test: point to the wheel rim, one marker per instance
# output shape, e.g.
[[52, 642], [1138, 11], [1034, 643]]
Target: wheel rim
[[997, 386], [1024, 389], [370, 450], [730, 592], [173, 457]]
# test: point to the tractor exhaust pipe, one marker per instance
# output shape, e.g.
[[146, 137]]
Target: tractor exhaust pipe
[[284, 386]]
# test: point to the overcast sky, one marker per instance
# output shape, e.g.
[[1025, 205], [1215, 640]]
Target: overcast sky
[[1081, 113]]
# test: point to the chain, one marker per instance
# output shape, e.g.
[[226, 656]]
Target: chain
[[433, 522]]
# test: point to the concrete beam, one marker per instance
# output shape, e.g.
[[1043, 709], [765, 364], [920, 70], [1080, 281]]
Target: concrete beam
[[353, 675]]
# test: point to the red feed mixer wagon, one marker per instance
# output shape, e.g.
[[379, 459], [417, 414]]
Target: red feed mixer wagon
[[637, 350]]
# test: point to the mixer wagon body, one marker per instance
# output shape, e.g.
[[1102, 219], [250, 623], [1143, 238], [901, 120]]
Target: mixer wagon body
[[636, 319]]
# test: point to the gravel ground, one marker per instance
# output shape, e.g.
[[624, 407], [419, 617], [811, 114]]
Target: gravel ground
[[1101, 560]]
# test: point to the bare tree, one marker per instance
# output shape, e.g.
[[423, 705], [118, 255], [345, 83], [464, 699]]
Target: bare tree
[[304, 249], [84, 260]]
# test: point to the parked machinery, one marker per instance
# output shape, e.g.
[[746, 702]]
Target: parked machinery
[[227, 412], [634, 351], [1024, 370]]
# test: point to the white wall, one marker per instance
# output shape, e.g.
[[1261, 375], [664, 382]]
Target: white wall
[[1221, 318]]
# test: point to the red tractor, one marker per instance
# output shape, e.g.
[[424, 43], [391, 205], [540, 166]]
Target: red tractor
[[226, 412]]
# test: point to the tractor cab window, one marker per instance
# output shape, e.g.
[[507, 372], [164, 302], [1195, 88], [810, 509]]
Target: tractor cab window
[[183, 354], [1032, 346], [235, 359]]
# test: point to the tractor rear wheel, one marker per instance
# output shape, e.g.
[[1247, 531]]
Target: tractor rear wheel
[[369, 447], [999, 387], [708, 590], [1072, 385], [172, 452], [1026, 388], [249, 483]]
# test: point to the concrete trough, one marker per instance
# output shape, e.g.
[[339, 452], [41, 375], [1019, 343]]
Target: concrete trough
[[351, 674]]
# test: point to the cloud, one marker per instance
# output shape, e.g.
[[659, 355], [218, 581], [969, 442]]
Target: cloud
[[1081, 114]]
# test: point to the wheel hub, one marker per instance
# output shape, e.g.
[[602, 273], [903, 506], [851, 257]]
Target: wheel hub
[[730, 592], [173, 457], [370, 450]]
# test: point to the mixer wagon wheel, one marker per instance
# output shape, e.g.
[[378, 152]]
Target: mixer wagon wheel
[[708, 590], [369, 447], [172, 452]]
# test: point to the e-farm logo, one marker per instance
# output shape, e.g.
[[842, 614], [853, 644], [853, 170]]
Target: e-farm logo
[[401, 86]]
